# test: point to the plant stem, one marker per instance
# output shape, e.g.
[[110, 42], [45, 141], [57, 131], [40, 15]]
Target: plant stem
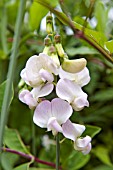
[[57, 151], [11, 70], [30, 157]]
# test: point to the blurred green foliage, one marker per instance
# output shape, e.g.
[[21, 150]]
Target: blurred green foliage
[[100, 89]]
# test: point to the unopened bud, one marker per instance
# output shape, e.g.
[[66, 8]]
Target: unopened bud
[[53, 55], [47, 43], [74, 66], [49, 24], [58, 45]]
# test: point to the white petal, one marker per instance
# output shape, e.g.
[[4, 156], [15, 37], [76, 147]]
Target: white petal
[[22, 95], [33, 67], [42, 114], [80, 102], [72, 130], [68, 90], [54, 126], [42, 90], [48, 64], [26, 97], [87, 149], [46, 76], [81, 78], [82, 143], [61, 110]]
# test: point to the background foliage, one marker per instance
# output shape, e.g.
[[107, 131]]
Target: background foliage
[[20, 133]]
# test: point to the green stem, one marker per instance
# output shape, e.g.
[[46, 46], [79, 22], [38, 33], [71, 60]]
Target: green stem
[[11, 70], [57, 151], [33, 135], [4, 30]]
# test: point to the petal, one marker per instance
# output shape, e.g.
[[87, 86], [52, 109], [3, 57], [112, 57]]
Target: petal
[[82, 143], [54, 126], [48, 64], [72, 130], [74, 66], [46, 76], [80, 102], [68, 90], [42, 90], [87, 149], [22, 95], [26, 97], [61, 110], [42, 114], [81, 78]]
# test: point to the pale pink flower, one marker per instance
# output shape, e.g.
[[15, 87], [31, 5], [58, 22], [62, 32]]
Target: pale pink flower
[[73, 131], [52, 115], [72, 92], [39, 69], [31, 98]]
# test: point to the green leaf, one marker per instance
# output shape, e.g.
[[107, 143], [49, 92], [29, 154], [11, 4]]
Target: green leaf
[[101, 15], [102, 153], [76, 160], [22, 167], [80, 50], [11, 160], [2, 90], [109, 46], [13, 140], [37, 12], [91, 131], [41, 169], [103, 167]]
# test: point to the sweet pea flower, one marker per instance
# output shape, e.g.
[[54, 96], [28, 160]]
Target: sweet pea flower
[[81, 78], [52, 115], [39, 69], [31, 98], [72, 92], [73, 131], [26, 97], [83, 145]]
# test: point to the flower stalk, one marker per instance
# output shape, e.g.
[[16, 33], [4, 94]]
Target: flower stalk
[[57, 152]]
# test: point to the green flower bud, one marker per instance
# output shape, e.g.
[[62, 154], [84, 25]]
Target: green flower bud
[[74, 66], [47, 42], [58, 45], [53, 55], [49, 24]]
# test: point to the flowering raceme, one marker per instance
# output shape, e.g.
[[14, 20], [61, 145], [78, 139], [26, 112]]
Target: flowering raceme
[[40, 75]]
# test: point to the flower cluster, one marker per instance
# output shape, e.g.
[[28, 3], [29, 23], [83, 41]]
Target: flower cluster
[[40, 74]]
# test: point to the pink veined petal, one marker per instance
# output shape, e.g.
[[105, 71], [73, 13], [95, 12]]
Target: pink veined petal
[[49, 64], [46, 76], [30, 101], [42, 114], [80, 102], [22, 95], [54, 126], [72, 130], [64, 90], [42, 90], [33, 67], [81, 78], [82, 143], [61, 110], [87, 149]]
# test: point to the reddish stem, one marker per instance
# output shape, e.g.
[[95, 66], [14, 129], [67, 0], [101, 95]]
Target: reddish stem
[[30, 157]]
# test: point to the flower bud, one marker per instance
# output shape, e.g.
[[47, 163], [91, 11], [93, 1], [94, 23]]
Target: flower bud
[[47, 43], [49, 24], [74, 66], [53, 55], [58, 45]]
